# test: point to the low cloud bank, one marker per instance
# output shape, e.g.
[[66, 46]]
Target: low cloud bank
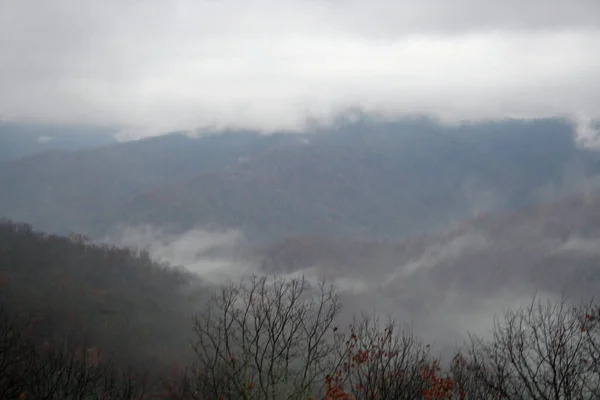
[[216, 256], [270, 65], [444, 287]]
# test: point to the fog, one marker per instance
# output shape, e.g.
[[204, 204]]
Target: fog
[[213, 255], [152, 67], [440, 228], [443, 287]]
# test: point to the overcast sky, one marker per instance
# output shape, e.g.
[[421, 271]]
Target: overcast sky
[[154, 65]]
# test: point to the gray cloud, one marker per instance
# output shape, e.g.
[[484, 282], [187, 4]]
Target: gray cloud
[[151, 66], [438, 16], [216, 256]]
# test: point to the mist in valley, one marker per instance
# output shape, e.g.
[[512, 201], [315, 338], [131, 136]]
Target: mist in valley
[[170, 170], [444, 286]]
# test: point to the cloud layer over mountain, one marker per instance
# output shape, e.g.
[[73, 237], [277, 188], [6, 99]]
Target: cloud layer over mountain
[[152, 66]]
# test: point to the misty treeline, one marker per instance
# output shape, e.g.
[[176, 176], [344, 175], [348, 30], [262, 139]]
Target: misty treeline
[[82, 321]]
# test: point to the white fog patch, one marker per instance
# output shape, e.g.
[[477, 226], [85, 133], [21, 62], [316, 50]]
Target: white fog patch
[[441, 251], [573, 180], [587, 131], [214, 255], [44, 139], [581, 245], [481, 198], [467, 316], [458, 315], [342, 282], [353, 286]]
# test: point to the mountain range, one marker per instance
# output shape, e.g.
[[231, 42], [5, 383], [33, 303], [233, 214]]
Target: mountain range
[[439, 225], [460, 279], [22, 139], [361, 179]]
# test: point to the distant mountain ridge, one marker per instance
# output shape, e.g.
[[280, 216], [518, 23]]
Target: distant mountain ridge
[[19, 139], [76, 191], [359, 179], [382, 180], [475, 268]]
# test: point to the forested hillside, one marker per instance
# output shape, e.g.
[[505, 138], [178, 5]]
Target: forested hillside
[[86, 321], [132, 308]]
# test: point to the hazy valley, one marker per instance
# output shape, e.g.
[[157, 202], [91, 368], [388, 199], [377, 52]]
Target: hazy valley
[[300, 200], [443, 228], [423, 220]]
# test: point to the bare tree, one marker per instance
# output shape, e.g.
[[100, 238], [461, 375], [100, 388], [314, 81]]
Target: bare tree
[[468, 379], [589, 320], [58, 370], [537, 352], [16, 357], [266, 338], [385, 361], [66, 372]]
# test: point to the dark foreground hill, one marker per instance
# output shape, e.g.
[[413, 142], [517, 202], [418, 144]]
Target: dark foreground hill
[[133, 309], [282, 339]]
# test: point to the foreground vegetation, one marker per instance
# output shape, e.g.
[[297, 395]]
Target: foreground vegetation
[[80, 321]]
